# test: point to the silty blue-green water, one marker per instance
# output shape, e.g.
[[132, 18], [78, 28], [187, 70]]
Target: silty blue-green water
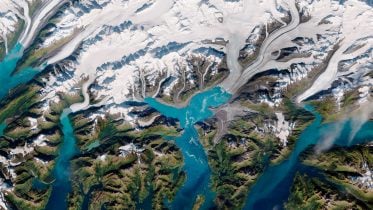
[[7, 66], [2, 127], [9, 81], [93, 145], [273, 187], [195, 159], [62, 184]]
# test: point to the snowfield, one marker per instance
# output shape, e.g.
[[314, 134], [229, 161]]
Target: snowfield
[[127, 50], [355, 26], [99, 60], [126, 42]]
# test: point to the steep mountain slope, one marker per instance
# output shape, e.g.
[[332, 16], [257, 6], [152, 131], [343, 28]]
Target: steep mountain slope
[[99, 59]]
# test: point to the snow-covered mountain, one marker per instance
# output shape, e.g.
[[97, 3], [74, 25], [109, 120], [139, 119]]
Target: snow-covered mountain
[[102, 58], [133, 49]]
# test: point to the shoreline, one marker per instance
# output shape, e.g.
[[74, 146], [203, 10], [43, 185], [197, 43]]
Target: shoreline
[[185, 103]]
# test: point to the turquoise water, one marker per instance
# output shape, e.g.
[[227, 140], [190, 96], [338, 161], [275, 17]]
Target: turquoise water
[[61, 172], [195, 159], [61, 186], [9, 81], [270, 191], [93, 145], [2, 127], [273, 187], [7, 66]]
